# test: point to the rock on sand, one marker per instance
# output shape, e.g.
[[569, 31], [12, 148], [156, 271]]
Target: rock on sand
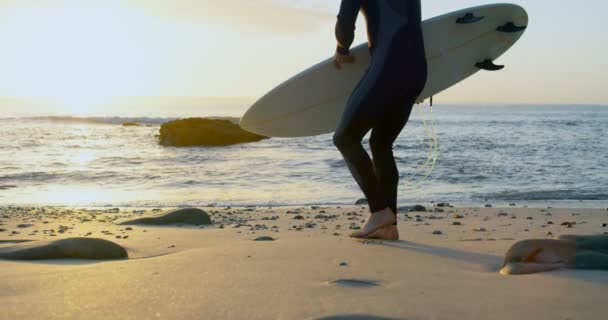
[[71, 248], [191, 216]]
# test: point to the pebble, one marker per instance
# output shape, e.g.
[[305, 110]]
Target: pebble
[[361, 201], [502, 214], [417, 208], [488, 206], [604, 225], [24, 225], [343, 264], [437, 232], [298, 217], [480, 230], [456, 223], [264, 238]]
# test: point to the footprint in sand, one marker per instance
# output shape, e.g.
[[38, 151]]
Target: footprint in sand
[[356, 317], [356, 283]]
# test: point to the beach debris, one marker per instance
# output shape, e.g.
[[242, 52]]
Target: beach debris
[[568, 224], [458, 216], [24, 225], [549, 222], [502, 214], [456, 223], [343, 264], [437, 232], [188, 216], [480, 230], [264, 238]]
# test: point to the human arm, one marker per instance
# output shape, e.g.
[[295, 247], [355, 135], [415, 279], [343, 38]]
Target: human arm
[[345, 31]]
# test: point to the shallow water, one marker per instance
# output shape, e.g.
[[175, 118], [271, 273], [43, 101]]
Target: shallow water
[[535, 155]]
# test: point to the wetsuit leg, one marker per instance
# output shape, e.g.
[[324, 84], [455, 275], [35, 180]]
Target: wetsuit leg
[[381, 144], [356, 122]]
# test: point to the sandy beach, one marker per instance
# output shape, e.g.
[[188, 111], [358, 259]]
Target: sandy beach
[[444, 267]]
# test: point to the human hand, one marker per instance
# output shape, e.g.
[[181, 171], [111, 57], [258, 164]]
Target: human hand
[[340, 59]]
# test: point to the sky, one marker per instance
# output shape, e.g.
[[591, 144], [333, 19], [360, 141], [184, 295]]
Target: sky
[[83, 52]]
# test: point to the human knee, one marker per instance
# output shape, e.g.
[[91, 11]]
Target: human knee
[[380, 145], [342, 140]]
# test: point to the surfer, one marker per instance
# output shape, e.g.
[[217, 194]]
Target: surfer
[[381, 102]]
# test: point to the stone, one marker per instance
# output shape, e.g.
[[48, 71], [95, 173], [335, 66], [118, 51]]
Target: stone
[[264, 238], [417, 208], [72, 248], [188, 216], [361, 201], [204, 132]]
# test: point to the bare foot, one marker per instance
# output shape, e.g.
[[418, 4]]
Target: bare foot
[[389, 232], [374, 222]]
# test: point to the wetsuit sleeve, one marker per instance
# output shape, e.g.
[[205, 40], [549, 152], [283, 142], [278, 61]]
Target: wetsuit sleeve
[[345, 27]]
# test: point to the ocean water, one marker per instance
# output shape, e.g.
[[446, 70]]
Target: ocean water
[[529, 155]]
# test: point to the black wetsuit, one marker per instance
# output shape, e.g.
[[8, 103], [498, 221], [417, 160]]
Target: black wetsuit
[[383, 99]]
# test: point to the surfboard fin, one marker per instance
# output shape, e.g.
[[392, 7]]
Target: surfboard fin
[[468, 18], [510, 27], [489, 65]]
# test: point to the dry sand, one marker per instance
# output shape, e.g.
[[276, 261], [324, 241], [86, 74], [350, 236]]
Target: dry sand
[[311, 270]]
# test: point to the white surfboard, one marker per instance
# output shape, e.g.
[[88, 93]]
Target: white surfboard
[[458, 45]]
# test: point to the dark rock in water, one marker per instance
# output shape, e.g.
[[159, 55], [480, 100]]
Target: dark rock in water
[[361, 201], [204, 132], [604, 225], [488, 206], [191, 216], [72, 248], [443, 204], [417, 208], [264, 238]]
